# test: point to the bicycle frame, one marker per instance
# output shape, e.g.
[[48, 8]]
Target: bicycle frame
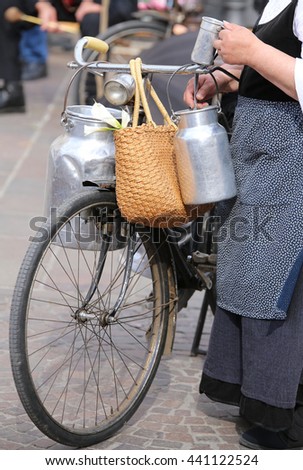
[[103, 67], [107, 307], [190, 272]]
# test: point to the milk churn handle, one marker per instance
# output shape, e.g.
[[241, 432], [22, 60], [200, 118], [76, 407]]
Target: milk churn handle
[[207, 71], [217, 95], [174, 117], [63, 114]]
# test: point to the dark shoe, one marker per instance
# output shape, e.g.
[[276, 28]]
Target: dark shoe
[[12, 98], [259, 438], [33, 71], [292, 438]]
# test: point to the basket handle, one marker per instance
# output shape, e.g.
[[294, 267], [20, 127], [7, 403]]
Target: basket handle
[[140, 96]]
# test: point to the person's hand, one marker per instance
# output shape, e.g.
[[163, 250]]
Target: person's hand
[[237, 45], [205, 90], [48, 14], [85, 8]]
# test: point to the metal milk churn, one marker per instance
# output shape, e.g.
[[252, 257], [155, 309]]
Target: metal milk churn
[[75, 157], [204, 164]]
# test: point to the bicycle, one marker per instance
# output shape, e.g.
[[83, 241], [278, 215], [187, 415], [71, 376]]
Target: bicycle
[[130, 39], [95, 306]]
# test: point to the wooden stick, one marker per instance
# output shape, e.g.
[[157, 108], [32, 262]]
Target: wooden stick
[[14, 15], [104, 16]]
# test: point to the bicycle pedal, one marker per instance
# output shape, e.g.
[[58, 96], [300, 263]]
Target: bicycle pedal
[[206, 278], [204, 258], [205, 265]]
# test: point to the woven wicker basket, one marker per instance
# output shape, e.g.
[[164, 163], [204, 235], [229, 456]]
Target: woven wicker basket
[[147, 185]]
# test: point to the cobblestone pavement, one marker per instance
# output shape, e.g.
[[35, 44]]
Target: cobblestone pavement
[[173, 415]]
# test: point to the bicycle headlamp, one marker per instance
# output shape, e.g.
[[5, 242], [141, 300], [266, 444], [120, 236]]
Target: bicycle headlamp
[[119, 89]]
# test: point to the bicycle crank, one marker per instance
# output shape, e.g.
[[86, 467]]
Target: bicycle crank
[[205, 265]]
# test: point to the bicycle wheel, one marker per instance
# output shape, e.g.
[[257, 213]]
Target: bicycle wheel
[[126, 40], [88, 321]]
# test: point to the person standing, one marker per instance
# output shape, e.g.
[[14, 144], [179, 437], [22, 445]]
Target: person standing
[[255, 355], [33, 53], [86, 12]]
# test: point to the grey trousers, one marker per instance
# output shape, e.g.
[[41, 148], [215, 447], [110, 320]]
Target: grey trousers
[[264, 357]]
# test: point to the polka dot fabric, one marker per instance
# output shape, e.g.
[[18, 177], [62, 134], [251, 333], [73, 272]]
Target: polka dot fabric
[[260, 241]]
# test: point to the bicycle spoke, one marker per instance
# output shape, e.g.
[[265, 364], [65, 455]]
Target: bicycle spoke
[[88, 371]]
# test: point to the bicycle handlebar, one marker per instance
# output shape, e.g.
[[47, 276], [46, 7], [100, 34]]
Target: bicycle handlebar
[[98, 45], [89, 42]]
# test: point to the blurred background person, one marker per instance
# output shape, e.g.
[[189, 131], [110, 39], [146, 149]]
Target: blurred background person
[[34, 42], [34, 53], [86, 12]]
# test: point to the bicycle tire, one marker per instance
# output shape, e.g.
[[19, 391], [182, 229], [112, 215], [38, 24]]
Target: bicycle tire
[[81, 377], [126, 40]]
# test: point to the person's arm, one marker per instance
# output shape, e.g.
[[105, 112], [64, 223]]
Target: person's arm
[[48, 14], [299, 80], [238, 45], [86, 7]]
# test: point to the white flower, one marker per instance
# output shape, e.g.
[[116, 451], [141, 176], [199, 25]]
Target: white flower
[[125, 119], [101, 113]]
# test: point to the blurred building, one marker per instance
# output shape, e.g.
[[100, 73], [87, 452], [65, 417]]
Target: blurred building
[[236, 11]]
